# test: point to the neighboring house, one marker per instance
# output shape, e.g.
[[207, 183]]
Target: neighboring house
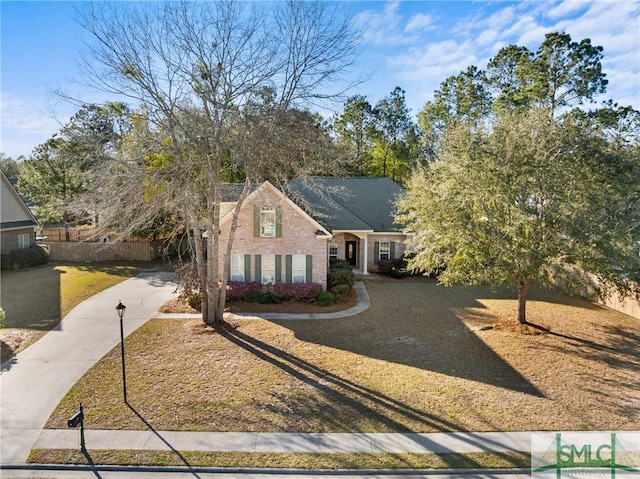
[[17, 223], [292, 238]]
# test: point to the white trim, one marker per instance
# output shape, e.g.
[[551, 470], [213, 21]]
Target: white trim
[[18, 199]]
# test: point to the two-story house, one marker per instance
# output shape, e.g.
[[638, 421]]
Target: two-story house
[[293, 237]]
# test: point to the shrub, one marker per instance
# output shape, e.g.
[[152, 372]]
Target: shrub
[[243, 291], [385, 266], [35, 255], [339, 264], [268, 298], [325, 298], [195, 301], [398, 273], [297, 291], [340, 275], [2, 317], [341, 289]]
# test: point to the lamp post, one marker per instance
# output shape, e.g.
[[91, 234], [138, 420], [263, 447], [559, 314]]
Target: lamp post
[[120, 309]]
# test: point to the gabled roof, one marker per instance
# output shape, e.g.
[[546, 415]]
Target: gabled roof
[[350, 204], [14, 213], [235, 190]]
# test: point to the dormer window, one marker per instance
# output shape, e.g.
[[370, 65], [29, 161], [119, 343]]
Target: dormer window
[[267, 222]]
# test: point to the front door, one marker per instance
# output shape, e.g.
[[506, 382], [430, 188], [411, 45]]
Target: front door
[[351, 252]]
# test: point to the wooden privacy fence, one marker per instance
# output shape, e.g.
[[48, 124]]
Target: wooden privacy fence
[[139, 251], [75, 234]]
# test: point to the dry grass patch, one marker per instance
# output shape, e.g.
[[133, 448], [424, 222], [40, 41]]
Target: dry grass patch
[[282, 460], [420, 359]]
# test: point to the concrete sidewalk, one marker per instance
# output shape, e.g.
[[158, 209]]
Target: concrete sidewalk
[[33, 383], [368, 443]]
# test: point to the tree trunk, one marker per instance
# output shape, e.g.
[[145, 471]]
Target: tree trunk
[[523, 288]]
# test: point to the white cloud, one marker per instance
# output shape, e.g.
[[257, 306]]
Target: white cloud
[[383, 27], [566, 7], [27, 123], [419, 22]]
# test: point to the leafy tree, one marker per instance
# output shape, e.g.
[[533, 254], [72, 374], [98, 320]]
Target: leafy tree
[[354, 130], [218, 83], [464, 97], [527, 199], [10, 167], [58, 172], [393, 131], [565, 73], [559, 75], [508, 78], [52, 179]]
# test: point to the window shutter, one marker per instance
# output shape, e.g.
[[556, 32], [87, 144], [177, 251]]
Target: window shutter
[[392, 250], [258, 259], [309, 268], [376, 252], [256, 222], [247, 267], [278, 268], [289, 268], [279, 222]]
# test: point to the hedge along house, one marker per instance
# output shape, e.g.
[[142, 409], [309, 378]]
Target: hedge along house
[[17, 223], [293, 237]]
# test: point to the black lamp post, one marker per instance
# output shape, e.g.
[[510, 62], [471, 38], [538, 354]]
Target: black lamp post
[[120, 309]]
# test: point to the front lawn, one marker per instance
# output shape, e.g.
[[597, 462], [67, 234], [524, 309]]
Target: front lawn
[[420, 359]]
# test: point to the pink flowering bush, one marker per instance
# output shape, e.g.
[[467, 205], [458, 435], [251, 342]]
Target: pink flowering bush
[[243, 291], [297, 291], [251, 292]]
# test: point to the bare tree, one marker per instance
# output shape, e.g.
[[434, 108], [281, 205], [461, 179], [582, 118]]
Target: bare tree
[[200, 74]]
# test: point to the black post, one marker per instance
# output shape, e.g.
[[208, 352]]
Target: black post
[[78, 418], [124, 375], [83, 446], [120, 310]]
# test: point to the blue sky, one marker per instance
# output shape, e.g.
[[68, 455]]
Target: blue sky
[[411, 44]]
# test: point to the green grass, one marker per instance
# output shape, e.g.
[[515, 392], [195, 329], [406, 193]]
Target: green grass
[[283, 460], [80, 282]]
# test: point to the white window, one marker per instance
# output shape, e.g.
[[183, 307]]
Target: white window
[[384, 250], [333, 251], [237, 267], [24, 240], [268, 268], [267, 222], [299, 268]]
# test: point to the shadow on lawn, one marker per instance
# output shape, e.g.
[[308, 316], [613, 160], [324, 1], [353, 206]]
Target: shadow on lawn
[[168, 444], [345, 395], [31, 298], [419, 325], [616, 360]]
